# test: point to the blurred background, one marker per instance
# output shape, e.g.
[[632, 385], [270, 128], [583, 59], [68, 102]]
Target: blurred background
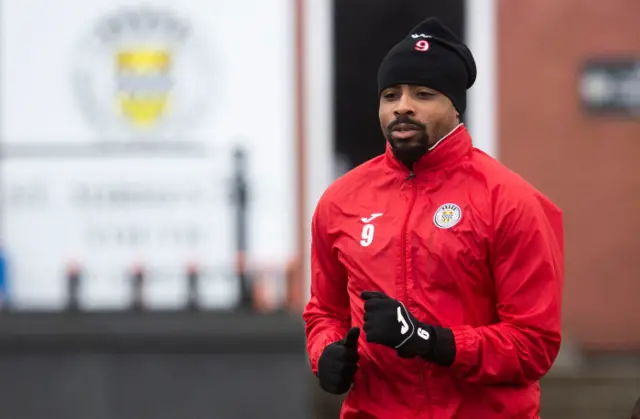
[[160, 162]]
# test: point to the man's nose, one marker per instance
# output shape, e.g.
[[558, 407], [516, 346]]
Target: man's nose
[[404, 106]]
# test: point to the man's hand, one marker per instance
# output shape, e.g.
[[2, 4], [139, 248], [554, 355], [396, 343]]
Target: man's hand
[[338, 363], [388, 322]]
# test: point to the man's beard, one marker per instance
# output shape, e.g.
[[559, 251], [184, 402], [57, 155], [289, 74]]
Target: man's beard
[[408, 150]]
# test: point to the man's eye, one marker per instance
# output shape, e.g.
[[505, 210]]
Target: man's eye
[[389, 95], [424, 94]]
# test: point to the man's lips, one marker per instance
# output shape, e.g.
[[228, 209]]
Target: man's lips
[[405, 127], [401, 135], [404, 131]]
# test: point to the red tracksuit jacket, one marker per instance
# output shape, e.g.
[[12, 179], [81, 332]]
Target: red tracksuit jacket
[[465, 244]]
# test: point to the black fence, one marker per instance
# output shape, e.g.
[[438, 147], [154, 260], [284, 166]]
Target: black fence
[[153, 365]]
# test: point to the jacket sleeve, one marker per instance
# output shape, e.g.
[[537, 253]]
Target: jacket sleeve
[[327, 314], [528, 271]]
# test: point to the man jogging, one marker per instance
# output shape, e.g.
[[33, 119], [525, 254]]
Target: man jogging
[[436, 272]]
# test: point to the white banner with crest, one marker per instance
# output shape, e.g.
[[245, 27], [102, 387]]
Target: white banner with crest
[[119, 123]]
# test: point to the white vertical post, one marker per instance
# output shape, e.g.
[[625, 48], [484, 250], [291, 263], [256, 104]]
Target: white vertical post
[[481, 33], [319, 140]]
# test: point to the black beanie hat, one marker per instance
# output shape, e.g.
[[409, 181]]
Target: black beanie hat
[[431, 56]]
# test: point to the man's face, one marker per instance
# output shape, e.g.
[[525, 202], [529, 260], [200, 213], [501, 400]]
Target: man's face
[[413, 118]]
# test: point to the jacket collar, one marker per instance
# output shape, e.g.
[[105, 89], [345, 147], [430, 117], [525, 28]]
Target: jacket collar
[[448, 150]]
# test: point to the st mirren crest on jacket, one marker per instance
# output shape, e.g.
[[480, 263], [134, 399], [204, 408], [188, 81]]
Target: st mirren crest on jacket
[[447, 216]]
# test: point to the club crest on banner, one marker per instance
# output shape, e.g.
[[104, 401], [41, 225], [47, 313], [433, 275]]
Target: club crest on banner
[[142, 72]]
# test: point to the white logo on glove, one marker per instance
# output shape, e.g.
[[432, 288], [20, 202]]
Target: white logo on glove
[[405, 327], [408, 328]]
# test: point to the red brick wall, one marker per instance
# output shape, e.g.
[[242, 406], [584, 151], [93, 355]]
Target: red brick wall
[[589, 166]]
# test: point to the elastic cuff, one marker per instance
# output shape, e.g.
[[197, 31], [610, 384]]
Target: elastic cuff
[[315, 356], [466, 342], [444, 349]]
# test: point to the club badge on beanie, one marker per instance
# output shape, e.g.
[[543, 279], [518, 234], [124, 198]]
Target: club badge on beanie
[[431, 56]]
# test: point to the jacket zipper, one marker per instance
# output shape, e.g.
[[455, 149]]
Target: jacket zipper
[[414, 193], [403, 234]]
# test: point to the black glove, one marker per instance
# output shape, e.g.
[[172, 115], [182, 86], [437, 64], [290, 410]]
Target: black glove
[[338, 363], [388, 322]]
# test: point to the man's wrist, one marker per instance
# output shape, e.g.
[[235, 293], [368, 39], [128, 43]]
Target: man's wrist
[[443, 348]]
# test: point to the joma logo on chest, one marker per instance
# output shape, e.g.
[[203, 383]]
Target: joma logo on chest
[[368, 229]]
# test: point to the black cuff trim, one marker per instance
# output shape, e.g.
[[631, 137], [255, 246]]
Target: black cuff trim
[[444, 350]]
